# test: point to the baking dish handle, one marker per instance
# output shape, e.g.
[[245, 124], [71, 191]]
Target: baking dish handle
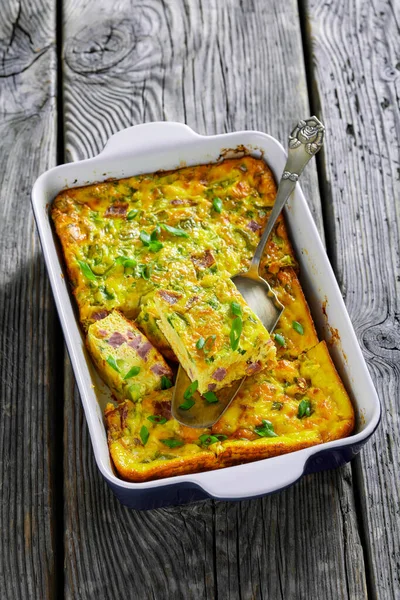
[[257, 478], [147, 135]]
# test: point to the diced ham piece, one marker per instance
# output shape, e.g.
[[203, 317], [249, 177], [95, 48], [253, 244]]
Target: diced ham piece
[[116, 339], [163, 409], [177, 201], [170, 297], [219, 374], [101, 314], [130, 335], [253, 225], [102, 333], [159, 369], [136, 342], [144, 350], [116, 210], [253, 368], [204, 260], [211, 387]]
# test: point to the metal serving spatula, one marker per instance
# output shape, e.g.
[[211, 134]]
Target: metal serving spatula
[[305, 141]]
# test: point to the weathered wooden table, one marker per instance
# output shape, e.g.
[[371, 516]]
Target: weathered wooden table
[[73, 73]]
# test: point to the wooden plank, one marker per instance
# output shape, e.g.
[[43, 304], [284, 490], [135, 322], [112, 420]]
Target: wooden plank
[[28, 328], [357, 73], [218, 66]]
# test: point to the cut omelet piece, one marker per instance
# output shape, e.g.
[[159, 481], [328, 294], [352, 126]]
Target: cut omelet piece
[[214, 333], [125, 359], [299, 404]]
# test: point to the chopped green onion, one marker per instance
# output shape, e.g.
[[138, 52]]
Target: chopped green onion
[[174, 230], [154, 233], [132, 214], [207, 439], [108, 295], [305, 409], [266, 429], [236, 309], [129, 263], [236, 332], [279, 339], [145, 238], [277, 405], [111, 361], [298, 327], [132, 372], [210, 397], [243, 168], [144, 434], [200, 343], [166, 383], [145, 271], [155, 246], [189, 402], [172, 443], [217, 205], [157, 419], [191, 390], [86, 270]]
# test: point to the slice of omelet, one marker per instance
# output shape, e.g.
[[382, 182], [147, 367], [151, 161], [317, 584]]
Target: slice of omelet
[[300, 404], [125, 359], [214, 333]]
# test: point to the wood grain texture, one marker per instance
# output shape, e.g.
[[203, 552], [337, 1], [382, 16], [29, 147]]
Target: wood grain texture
[[357, 72], [28, 397], [218, 66]]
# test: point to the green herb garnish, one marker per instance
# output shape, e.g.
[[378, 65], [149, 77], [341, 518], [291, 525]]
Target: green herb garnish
[[200, 343], [298, 327], [207, 439], [111, 361], [172, 443], [217, 205], [145, 271], [190, 390], [132, 214], [157, 419], [174, 230], [279, 339], [86, 270], [189, 402], [266, 429], [150, 240], [144, 434], [236, 309], [145, 238], [277, 405], [236, 332], [305, 409], [210, 397], [166, 383], [243, 168], [132, 372]]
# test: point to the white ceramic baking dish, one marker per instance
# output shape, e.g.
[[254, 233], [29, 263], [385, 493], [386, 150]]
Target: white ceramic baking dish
[[154, 146]]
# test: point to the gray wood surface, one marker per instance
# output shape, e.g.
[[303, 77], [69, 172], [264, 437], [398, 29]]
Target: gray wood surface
[[357, 72], [218, 66], [29, 334]]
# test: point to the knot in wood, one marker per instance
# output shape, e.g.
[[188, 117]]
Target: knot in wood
[[384, 340], [99, 47]]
